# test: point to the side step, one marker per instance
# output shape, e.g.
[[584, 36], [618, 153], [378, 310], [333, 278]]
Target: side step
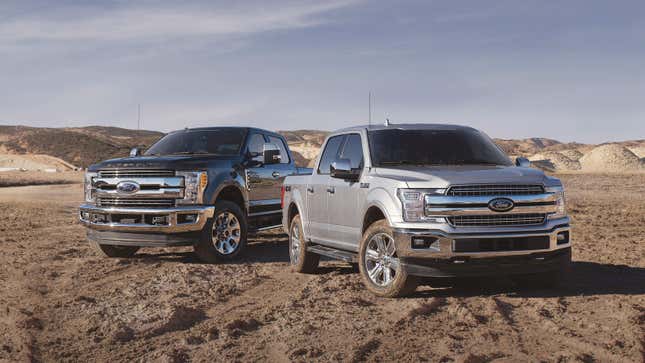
[[333, 253]]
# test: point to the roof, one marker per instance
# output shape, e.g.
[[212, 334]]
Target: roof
[[376, 127], [212, 128]]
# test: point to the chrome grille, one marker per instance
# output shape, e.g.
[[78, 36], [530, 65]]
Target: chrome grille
[[135, 173], [135, 202], [497, 220], [495, 189]]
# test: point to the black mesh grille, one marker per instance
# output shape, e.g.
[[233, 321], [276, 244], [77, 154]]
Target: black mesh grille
[[135, 203], [495, 189], [498, 220]]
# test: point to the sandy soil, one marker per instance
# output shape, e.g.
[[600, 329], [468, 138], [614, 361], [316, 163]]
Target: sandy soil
[[59, 302]]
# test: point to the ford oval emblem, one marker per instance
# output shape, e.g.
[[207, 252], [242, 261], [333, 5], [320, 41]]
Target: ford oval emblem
[[127, 187], [501, 205]]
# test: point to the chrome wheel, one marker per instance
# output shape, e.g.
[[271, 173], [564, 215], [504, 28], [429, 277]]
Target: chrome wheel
[[381, 263], [226, 233], [294, 243]]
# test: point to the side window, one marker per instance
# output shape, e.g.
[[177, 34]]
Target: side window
[[255, 144], [353, 151], [284, 156], [329, 154]]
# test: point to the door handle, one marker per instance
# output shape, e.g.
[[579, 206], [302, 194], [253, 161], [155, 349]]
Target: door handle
[[275, 174], [310, 190], [331, 190]]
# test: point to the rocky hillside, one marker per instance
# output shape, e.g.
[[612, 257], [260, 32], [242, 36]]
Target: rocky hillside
[[83, 146], [80, 146]]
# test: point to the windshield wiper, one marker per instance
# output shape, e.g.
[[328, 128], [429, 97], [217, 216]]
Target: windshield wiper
[[190, 153], [475, 162]]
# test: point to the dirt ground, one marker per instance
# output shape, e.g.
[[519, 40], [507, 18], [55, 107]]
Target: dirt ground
[[60, 302], [25, 178]]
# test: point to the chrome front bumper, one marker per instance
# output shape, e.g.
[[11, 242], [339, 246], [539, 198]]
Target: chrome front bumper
[[442, 260], [176, 219], [443, 248]]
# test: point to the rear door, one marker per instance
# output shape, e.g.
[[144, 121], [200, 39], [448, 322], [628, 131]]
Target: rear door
[[345, 198], [317, 195]]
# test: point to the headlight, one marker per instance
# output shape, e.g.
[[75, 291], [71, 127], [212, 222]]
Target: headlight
[[413, 203], [195, 183], [560, 202], [89, 187]]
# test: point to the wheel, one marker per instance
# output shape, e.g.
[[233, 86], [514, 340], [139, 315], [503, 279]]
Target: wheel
[[114, 251], [379, 266], [301, 260], [224, 236]]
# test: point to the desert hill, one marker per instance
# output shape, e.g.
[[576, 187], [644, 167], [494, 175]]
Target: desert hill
[[35, 148]]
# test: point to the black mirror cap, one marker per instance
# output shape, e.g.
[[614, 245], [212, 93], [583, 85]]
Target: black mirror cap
[[342, 169], [522, 162]]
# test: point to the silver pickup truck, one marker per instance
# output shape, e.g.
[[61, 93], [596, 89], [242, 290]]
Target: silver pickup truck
[[416, 201]]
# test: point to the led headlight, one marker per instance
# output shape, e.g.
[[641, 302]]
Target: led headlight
[[560, 203], [195, 183], [413, 203], [89, 187]]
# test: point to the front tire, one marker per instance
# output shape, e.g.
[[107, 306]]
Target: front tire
[[224, 236], [301, 260], [379, 265], [112, 251]]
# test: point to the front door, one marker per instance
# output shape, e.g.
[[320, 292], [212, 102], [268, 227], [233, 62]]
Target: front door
[[317, 194], [263, 196], [345, 198]]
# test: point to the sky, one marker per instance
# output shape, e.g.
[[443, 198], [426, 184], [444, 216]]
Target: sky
[[568, 70]]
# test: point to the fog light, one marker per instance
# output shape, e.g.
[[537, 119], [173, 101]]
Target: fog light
[[563, 238], [423, 242], [186, 218], [85, 216]]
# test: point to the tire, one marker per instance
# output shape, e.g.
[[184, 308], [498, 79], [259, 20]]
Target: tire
[[379, 235], [227, 242], [300, 260], [112, 251]]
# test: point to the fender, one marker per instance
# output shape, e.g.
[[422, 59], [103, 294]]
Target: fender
[[297, 199], [379, 197], [225, 179]]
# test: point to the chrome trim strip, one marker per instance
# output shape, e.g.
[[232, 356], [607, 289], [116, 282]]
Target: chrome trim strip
[[164, 193], [525, 198], [161, 182], [447, 212]]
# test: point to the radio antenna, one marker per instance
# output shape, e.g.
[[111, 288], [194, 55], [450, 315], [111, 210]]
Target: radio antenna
[[369, 108]]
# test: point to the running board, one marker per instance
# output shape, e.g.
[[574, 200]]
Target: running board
[[333, 253]]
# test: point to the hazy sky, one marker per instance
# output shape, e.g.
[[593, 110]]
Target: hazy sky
[[570, 70]]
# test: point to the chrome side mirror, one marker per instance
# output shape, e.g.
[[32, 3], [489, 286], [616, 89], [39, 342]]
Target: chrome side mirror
[[522, 162], [342, 169], [271, 154], [134, 152]]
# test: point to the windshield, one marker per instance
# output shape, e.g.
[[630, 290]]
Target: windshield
[[218, 141], [434, 147]]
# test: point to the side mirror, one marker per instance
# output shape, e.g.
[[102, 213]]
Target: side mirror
[[271, 154], [522, 162], [134, 152], [342, 169]]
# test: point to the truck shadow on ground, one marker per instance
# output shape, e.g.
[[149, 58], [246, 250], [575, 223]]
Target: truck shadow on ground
[[584, 279]]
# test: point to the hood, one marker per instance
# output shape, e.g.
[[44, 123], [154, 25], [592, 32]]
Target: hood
[[169, 162], [444, 176]]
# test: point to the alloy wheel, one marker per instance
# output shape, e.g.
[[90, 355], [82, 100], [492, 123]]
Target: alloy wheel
[[226, 233], [381, 263]]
